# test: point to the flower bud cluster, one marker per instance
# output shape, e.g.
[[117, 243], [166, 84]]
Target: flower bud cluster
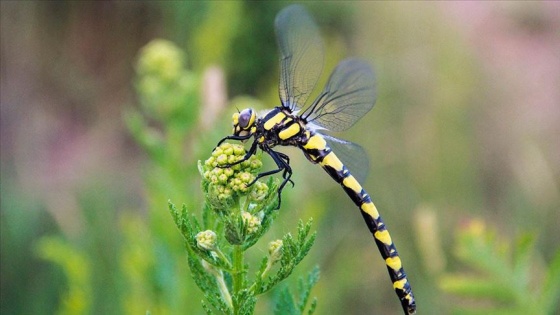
[[252, 223], [233, 179], [259, 192]]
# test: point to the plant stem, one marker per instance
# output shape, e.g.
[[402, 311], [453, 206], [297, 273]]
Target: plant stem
[[238, 274], [223, 258]]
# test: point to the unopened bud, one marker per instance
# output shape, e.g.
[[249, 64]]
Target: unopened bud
[[206, 240]]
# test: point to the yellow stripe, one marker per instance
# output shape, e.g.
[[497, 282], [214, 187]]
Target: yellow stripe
[[399, 284], [289, 132], [274, 120], [384, 237], [315, 143], [352, 183], [370, 209], [332, 160], [253, 117], [394, 263]]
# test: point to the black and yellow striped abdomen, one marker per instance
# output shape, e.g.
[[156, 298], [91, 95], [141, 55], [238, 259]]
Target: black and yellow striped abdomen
[[317, 151]]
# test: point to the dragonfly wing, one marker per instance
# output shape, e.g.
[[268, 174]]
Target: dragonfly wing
[[347, 97], [352, 155], [301, 55]]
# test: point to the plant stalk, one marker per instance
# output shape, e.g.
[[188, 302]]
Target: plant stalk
[[238, 274]]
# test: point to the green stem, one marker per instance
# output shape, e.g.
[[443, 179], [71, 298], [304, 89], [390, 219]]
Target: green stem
[[223, 258], [238, 274]]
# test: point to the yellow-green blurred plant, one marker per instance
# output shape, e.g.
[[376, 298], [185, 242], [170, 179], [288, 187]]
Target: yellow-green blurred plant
[[76, 267], [168, 94], [504, 277], [165, 126], [237, 212], [137, 263]]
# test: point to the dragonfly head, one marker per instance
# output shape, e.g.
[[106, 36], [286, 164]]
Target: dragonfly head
[[244, 122]]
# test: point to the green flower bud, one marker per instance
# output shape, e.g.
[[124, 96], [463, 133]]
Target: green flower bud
[[256, 164], [229, 151], [275, 250], [228, 171], [223, 159], [252, 223], [259, 192], [206, 240], [222, 179], [238, 150]]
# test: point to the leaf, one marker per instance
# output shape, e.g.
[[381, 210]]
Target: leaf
[[285, 304], [293, 252], [245, 302], [305, 288]]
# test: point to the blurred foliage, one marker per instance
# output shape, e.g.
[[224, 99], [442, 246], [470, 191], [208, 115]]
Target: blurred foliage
[[77, 271], [169, 100], [506, 277], [449, 139]]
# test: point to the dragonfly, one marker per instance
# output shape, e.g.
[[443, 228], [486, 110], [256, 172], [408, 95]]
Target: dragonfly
[[348, 95]]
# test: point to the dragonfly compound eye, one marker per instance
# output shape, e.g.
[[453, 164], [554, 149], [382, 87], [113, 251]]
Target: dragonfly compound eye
[[246, 118]]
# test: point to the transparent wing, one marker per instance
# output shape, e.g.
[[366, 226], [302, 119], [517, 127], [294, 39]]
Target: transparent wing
[[352, 155], [301, 55], [347, 97]]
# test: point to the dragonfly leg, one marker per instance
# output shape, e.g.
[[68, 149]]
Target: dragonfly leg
[[283, 162], [279, 162], [249, 153], [287, 170], [233, 137]]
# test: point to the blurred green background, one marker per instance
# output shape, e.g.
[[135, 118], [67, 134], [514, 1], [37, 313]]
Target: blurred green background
[[464, 138]]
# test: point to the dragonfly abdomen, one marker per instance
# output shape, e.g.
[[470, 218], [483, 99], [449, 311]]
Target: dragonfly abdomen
[[317, 150]]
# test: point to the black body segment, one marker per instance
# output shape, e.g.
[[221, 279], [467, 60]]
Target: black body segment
[[348, 95]]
